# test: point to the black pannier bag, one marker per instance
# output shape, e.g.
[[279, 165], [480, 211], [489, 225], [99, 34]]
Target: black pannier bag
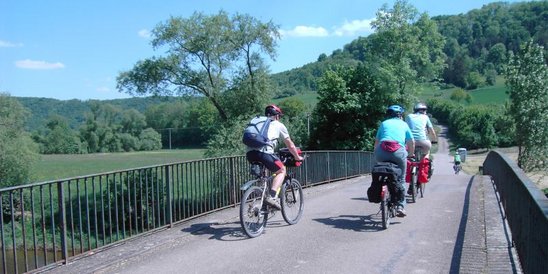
[[382, 173]]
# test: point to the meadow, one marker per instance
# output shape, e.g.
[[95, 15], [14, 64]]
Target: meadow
[[495, 94], [61, 166]]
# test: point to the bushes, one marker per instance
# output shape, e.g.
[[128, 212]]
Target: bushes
[[475, 126]]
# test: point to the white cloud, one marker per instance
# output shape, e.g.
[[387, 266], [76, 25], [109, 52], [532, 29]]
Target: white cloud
[[305, 31], [354, 27], [144, 33], [103, 89], [7, 44], [31, 64]]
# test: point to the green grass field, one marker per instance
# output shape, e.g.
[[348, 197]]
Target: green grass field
[[54, 167], [309, 98], [495, 94]]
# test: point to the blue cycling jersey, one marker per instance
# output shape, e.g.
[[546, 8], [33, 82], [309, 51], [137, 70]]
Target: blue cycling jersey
[[394, 129]]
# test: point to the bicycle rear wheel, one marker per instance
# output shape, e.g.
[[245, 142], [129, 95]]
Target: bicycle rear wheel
[[253, 213], [292, 201], [385, 210]]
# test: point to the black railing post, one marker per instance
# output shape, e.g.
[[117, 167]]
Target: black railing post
[[328, 168], [62, 221], [168, 196], [232, 182], [345, 165]]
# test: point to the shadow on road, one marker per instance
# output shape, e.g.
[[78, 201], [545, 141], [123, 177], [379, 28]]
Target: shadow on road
[[459, 243], [354, 222], [231, 231], [218, 231]]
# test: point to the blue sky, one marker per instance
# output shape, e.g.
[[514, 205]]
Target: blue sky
[[74, 49]]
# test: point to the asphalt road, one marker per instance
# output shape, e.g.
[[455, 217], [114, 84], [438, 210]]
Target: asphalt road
[[340, 232]]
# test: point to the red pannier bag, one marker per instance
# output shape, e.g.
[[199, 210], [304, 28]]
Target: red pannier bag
[[424, 167]]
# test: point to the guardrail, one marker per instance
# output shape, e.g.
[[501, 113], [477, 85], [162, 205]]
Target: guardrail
[[48, 223], [526, 210]]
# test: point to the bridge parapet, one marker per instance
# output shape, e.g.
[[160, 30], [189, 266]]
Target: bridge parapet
[[526, 209]]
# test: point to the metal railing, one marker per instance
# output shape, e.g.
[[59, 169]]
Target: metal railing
[[526, 210], [45, 224]]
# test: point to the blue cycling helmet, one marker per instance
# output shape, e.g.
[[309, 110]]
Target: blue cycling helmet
[[395, 110]]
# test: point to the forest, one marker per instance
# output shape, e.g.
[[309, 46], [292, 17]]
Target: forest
[[182, 102]]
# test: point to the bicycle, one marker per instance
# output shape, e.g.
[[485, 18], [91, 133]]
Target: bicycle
[[254, 212], [457, 168], [383, 189], [415, 187], [388, 208]]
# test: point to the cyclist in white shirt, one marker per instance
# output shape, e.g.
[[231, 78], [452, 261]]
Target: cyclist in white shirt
[[420, 125], [266, 154]]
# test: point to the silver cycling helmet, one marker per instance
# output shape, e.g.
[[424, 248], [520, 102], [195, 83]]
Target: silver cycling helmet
[[420, 106]]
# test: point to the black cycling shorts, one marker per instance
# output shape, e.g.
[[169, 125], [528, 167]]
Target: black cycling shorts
[[270, 161]]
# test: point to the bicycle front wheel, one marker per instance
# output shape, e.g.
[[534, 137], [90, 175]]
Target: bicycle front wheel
[[413, 186], [253, 214], [292, 201]]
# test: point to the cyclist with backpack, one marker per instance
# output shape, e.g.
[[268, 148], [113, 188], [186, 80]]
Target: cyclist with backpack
[[269, 131], [391, 140]]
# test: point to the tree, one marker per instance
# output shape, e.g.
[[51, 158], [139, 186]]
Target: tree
[[459, 95], [527, 80], [150, 140], [59, 138], [474, 80], [407, 46], [209, 56], [497, 56], [17, 150], [352, 102]]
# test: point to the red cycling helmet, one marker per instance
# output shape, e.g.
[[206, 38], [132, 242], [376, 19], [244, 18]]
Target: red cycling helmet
[[273, 110]]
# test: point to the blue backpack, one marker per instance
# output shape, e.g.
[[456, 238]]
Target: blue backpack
[[256, 133]]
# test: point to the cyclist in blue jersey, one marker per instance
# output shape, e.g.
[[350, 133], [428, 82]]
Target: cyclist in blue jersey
[[392, 138]]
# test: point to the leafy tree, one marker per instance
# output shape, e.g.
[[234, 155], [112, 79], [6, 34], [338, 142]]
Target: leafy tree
[[322, 57], [296, 118], [206, 55], [167, 115], [474, 126], [17, 150], [132, 122], [59, 138], [406, 46], [527, 79], [227, 140], [460, 95], [491, 77], [474, 80], [109, 129], [351, 104], [497, 56], [150, 140]]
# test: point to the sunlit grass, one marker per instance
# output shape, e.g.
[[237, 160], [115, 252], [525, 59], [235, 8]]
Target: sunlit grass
[[53, 167], [495, 94]]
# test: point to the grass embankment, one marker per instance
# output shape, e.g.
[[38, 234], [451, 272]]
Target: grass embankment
[[54, 167], [475, 159]]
